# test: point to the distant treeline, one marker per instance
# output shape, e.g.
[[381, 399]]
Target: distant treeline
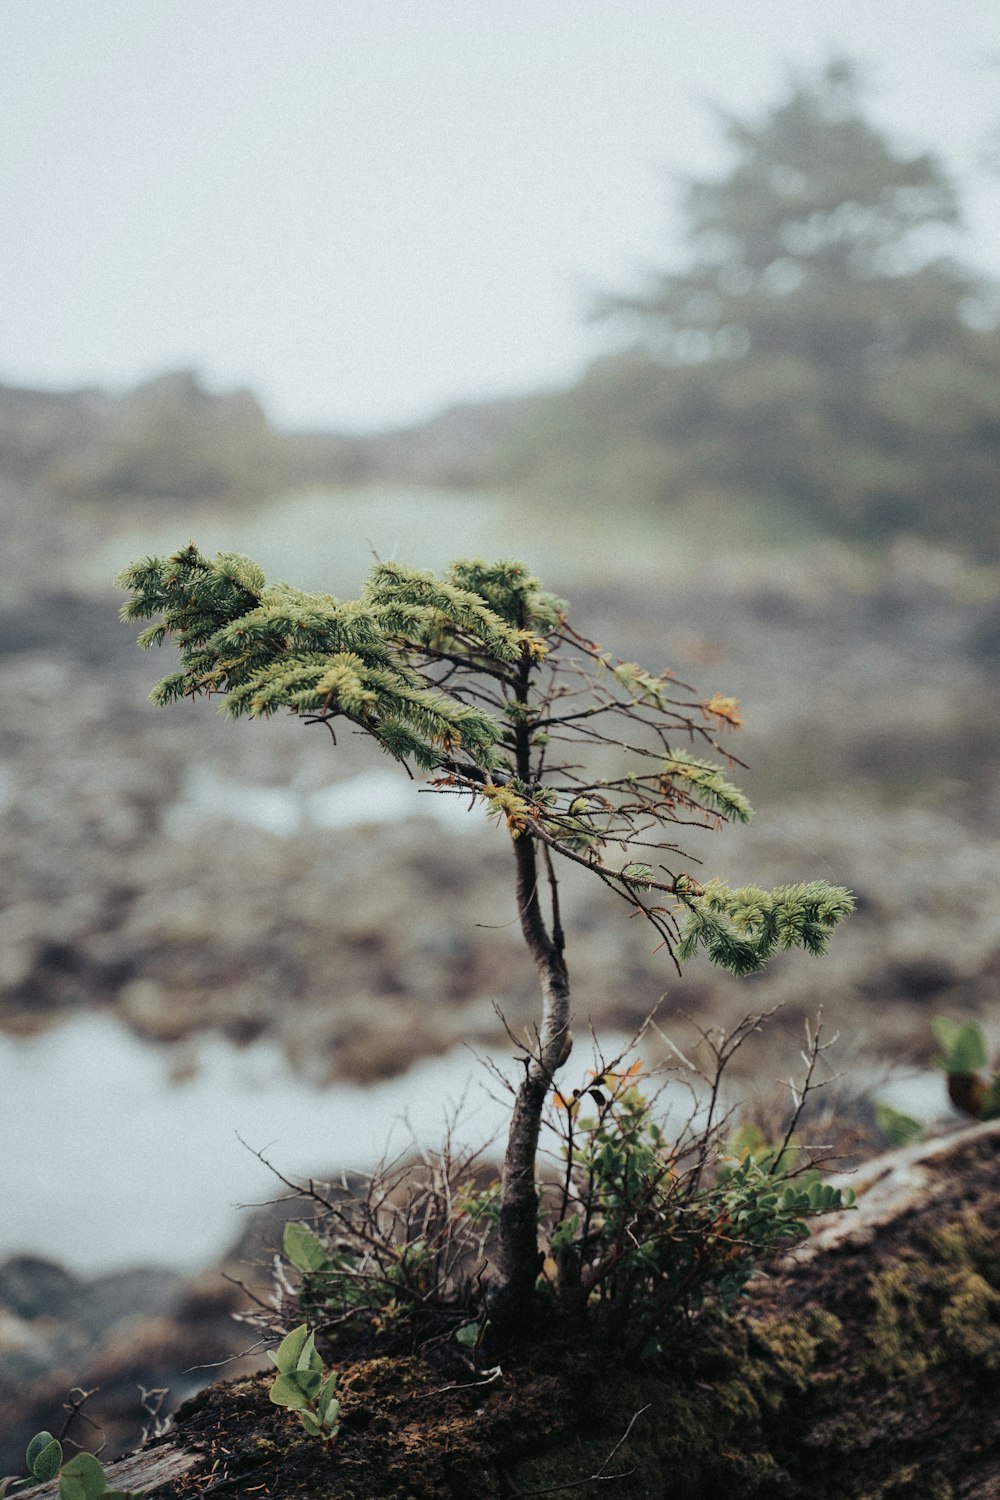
[[169, 438], [173, 439]]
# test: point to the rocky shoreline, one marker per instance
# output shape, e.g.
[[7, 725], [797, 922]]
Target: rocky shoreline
[[874, 744]]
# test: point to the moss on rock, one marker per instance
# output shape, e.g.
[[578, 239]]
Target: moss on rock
[[867, 1377]]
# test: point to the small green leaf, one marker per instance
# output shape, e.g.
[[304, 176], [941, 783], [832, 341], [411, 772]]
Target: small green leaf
[[309, 1359], [326, 1391], [82, 1478], [898, 1128], [286, 1357], [306, 1382], [962, 1043], [47, 1460], [42, 1443], [304, 1248], [310, 1423], [284, 1392], [945, 1031], [468, 1336]]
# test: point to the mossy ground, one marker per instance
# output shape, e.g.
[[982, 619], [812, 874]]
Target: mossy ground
[[868, 1375]]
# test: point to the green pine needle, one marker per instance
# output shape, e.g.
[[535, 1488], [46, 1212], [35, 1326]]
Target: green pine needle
[[740, 930]]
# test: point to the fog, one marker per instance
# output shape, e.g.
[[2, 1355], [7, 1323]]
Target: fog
[[369, 211]]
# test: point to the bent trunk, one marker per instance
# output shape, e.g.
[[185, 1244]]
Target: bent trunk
[[518, 1260], [512, 1286]]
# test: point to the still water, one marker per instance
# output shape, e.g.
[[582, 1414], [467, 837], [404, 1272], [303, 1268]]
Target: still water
[[108, 1161]]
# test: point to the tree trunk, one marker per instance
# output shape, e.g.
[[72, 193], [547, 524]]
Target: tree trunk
[[512, 1285], [518, 1255]]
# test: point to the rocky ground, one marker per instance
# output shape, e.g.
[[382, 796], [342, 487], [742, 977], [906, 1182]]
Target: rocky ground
[[125, 1348], [134, 882]]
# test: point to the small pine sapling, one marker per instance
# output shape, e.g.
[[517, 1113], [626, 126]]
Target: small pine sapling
[[477, 679]]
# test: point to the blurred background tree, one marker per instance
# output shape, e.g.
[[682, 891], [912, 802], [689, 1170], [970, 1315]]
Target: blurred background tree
[[172, 437], [818, 353]]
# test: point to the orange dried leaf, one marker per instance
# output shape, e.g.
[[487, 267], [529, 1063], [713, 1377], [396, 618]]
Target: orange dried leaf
[[726, 710]]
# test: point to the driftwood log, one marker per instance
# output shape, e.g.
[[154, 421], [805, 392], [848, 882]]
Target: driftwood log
[[897, 1184], [149, 1469]]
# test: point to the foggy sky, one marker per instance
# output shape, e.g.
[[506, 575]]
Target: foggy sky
[[368, 208]]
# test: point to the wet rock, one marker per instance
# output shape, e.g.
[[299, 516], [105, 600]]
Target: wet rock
[[34, 1288], [115, 1336]]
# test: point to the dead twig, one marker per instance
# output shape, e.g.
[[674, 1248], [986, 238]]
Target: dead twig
[[74, 1407], [598, 1477], [468, 1385]]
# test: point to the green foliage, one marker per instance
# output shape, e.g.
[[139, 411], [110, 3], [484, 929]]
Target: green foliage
[[304, 1249], [646, 1227], [81, 1478], [271, 648], [377, 1274], [44, 1456], [898, 1128], [301, 1387], [330, 1278], [809, 355], [639, 1227], [963, 1046], [512, 592], [268, 648], [403, 662], [741, 929], [963, 1057], [712, 789]]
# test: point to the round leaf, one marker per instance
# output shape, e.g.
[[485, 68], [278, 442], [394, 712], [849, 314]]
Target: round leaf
[[48, 1461], [303, 1248], [38, 1442], [82, 1479]]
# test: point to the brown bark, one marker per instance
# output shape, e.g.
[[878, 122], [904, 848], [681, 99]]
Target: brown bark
[[518, 1261]]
